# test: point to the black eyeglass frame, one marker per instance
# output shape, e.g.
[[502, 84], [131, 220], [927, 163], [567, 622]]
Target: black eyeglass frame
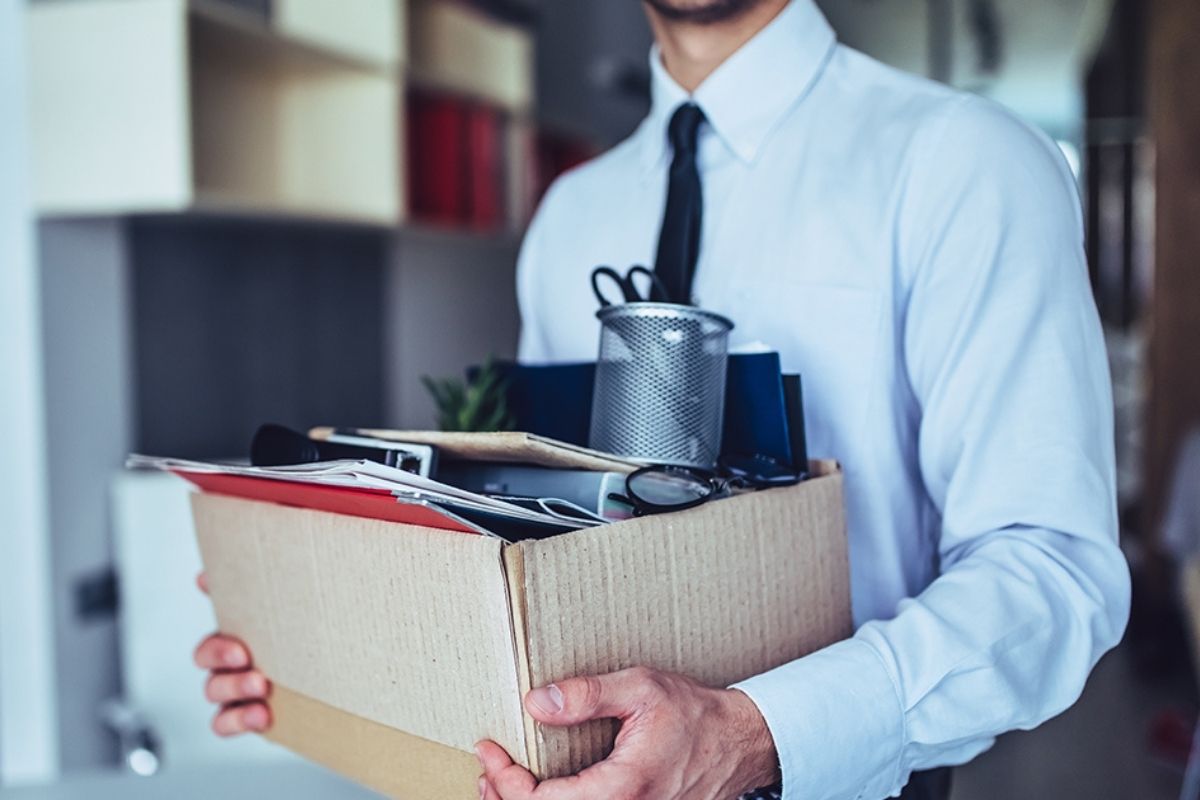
[[718, 485]]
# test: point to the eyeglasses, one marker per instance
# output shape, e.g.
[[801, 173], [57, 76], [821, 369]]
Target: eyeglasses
[[665, 488]]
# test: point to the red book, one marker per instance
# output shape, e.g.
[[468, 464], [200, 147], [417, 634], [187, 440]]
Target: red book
[[486, 168], [436, 145]]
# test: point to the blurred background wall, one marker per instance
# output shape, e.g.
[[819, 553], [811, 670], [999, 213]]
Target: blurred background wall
[[223, 212], [28, 714]]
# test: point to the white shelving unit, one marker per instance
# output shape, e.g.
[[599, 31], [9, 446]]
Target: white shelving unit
[[148, 109], [163, 106]]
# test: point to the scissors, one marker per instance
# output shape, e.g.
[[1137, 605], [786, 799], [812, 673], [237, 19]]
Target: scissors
[[628, 288]]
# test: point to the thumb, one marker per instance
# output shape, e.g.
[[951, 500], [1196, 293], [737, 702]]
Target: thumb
[[614, 696]]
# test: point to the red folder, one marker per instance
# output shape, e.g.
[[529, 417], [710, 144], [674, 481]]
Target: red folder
[[370, 503]]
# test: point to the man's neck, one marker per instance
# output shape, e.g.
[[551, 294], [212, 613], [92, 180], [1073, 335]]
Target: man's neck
[[691, 51]]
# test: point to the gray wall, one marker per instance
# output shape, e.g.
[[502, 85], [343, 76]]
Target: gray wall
[[451, 303], [580, 42]]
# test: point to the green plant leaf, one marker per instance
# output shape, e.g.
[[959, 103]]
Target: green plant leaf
[[477, 405]]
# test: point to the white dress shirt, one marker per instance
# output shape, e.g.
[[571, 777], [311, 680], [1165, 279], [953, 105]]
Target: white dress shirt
[[916, 254]]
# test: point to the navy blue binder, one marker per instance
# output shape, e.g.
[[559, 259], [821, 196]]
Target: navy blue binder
[[756, 420], [556, 401], [553, 400]]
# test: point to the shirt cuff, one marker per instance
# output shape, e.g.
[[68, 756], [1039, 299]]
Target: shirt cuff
[[837, 722]]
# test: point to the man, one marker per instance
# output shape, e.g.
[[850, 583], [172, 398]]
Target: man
[[916, 254]]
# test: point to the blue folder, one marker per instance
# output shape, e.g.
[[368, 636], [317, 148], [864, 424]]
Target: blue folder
[[556, 401]]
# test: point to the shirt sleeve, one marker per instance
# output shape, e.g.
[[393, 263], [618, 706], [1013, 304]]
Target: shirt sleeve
[[1005, 359]]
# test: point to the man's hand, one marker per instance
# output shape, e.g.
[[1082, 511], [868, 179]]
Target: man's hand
[[234, 685], [678, 741]]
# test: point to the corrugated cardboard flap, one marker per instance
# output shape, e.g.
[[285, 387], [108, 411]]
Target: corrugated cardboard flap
[[393, 762], [720, 593]]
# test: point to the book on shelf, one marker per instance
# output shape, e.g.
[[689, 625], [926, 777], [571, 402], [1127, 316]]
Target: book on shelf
[[456, 161], [485, 154]]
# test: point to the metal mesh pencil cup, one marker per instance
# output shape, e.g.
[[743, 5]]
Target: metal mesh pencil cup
[[659, 395]]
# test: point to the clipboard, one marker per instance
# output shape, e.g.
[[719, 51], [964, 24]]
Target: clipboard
[[505, 447]]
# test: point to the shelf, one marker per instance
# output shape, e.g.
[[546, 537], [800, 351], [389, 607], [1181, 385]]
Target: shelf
[[374, 32], [168, 105], [278, 127], [453, 47], [172, 106], [449, 235], [308, 30]]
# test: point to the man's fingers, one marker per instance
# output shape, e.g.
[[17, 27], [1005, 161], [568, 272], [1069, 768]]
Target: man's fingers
[[492, 757], [513, 783], [202, 582], [575, 700], [487, 791], [602, 780], [236, 687], [248, 718], [504, 779], [222, 652]]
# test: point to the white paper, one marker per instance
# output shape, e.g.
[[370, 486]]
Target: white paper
[[353, 474]]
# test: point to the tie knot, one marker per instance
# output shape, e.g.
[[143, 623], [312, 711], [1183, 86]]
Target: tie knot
[[685, 127]]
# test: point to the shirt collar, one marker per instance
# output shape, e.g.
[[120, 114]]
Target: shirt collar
[[748, 94]]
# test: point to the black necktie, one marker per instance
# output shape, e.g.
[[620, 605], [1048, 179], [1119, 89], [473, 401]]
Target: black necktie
[[679, 242]]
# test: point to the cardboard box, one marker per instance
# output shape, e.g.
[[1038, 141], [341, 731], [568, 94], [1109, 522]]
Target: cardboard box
[[394, 648]]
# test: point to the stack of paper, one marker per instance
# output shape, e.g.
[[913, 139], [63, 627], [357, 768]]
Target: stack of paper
[[369, 489]]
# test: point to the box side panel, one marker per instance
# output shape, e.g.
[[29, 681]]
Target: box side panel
[[405, 626], [719, 593], [389, 761]]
